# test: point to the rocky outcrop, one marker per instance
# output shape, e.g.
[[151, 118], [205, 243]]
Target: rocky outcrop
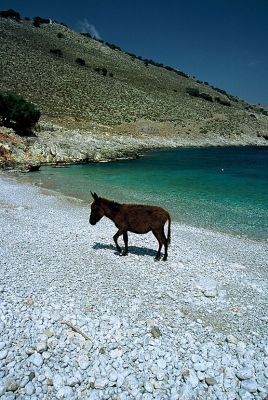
[[55, 145]]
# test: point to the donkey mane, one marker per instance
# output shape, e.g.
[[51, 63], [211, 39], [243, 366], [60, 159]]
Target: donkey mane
[[110, 203]]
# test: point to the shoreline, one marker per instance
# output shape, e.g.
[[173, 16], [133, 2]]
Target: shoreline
[[191, 326], [61, 147]]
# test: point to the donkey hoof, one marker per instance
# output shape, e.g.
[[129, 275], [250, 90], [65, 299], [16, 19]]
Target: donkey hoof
[[164, 258], [157, 258]]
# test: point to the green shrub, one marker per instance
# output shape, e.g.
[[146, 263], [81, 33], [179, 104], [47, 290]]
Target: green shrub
[[206, 96], [80, 61], [56, 52], [193, 92], [222, 101], [41, 20], [10, 14], [17, 113], [60, 35]]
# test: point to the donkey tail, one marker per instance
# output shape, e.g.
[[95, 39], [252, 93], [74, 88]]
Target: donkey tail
[[169, 231]]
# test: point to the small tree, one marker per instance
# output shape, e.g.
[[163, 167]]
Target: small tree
[[56, 52], [206, 96], [10, 14], [80, 61], [193, 92], [18, 113]]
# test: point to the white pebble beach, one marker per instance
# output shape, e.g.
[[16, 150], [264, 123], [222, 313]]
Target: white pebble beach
[[78, 321]]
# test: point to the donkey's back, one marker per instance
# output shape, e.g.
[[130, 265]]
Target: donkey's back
[[139, 218]]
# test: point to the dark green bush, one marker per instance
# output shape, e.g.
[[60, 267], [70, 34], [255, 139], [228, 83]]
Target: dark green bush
[[222, 101], [60, 35], [206, 96], [86, 34], [113, 46], [17, 113], [104, 71], [56, 52], [80, 61], [41, 20], [193, 92], [10, 14]]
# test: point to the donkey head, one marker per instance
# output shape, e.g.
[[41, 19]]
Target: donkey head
[[97, 211]]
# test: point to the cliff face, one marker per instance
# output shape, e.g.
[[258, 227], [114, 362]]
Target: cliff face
[[113, 105]]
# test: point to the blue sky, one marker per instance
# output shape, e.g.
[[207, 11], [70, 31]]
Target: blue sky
[[223, 42]]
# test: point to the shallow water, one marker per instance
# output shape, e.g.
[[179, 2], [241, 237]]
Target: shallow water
[[223, 189]]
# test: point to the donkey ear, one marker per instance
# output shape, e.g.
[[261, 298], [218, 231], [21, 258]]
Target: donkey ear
[[94, 195]]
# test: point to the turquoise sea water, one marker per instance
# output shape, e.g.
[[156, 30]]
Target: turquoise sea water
[[223, 189]]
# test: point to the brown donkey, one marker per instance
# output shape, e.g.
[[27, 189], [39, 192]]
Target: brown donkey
[[135, 218]]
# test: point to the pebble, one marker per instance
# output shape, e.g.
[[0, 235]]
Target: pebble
[[3, 354], [161, 363], [244, 373], [36, 359], [211, 381], [231, 339], [65, 392], [11, 385], [29, 389], [83, 362], [250, 385]]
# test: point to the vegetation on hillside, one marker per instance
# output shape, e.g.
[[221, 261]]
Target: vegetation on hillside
[[18, 113]]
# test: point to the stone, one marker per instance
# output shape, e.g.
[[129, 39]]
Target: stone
[[3, 354], [201, 366], [113, 376], [100, 383], [2, 390], [36, 359], [83, 361], [31, 376], [65, 392], [58, 381], [161, 363], [116, 353], [148, 387], [2, 345], [210, 381], [49, 333], [29, 389], [250, 385], [231, 339], [41, 346], [244, 373], [11, 385], [155, 332]]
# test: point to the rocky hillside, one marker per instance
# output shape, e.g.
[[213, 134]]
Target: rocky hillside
[[92, 95]]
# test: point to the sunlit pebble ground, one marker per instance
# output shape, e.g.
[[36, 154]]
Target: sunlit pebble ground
[[194, 327]]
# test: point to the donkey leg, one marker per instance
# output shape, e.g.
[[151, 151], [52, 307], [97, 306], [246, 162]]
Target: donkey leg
[[115, 237], [158, 236], [165, 242], [166, 250], [125, 236]]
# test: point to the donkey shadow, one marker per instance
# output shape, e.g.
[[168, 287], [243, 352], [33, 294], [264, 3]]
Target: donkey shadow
[[140, 251]]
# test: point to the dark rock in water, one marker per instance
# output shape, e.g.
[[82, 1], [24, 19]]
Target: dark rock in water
[[34, 167], [30, 167]]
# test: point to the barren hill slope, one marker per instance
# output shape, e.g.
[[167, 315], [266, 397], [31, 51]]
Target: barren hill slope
[[115, 93]]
